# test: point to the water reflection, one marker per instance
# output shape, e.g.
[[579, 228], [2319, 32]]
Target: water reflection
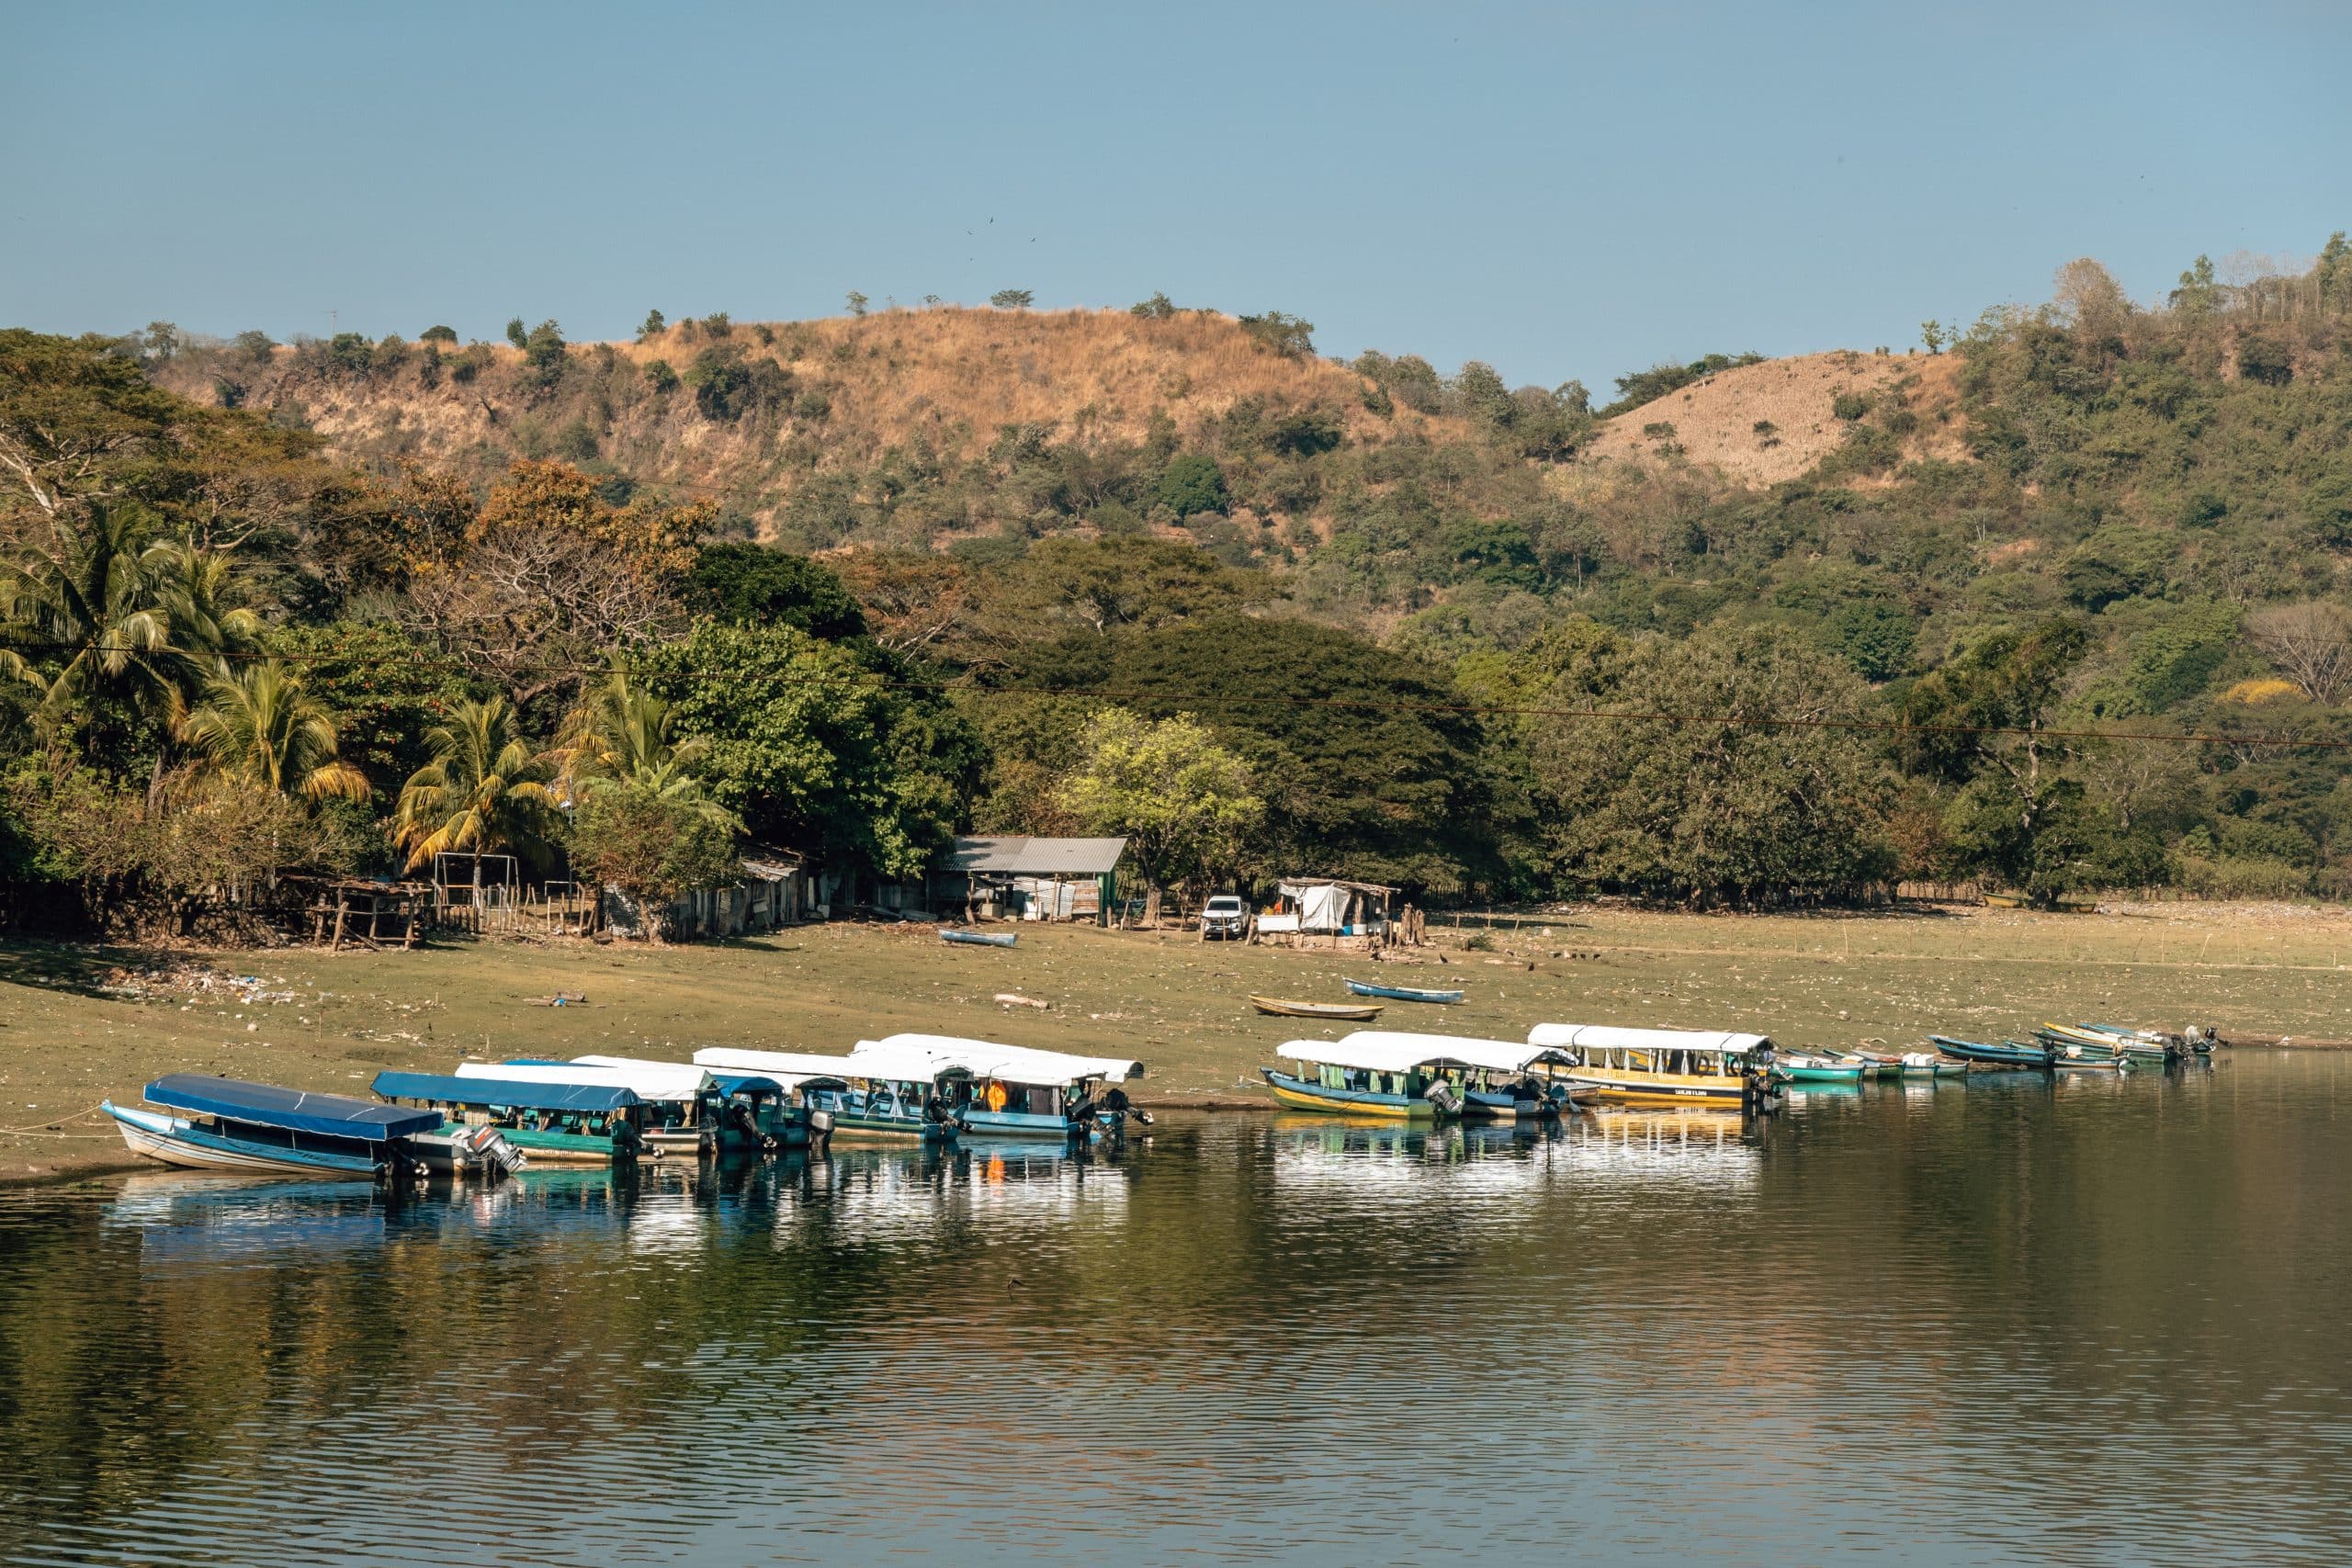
[[1243, 1337]]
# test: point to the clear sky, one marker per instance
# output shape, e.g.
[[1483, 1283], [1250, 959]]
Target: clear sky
[[1561, 190]]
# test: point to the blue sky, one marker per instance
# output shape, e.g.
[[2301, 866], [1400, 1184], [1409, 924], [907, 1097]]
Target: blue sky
[[1560, 190]]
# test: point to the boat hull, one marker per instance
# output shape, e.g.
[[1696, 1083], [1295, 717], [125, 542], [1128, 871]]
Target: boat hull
[[1850, 1072], [1977, 1054], [176, 1141], [1337, 1011], [979, 939], [1404, 993], [855, 1116], [1297, 1094], [1629, 1088], [981, 1122]]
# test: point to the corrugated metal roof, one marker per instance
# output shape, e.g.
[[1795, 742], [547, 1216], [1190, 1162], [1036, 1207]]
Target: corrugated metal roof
[[1037, 857]]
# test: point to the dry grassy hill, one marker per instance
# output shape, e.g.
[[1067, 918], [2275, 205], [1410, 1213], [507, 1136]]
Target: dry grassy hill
[[1715, 422], [851, 388]]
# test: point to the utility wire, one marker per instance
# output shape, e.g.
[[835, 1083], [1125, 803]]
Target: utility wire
[[1213, 699]]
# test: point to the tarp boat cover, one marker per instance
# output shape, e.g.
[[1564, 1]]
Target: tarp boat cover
[[795, 1068], [1608, 1037], [1008, 1063], [1495, 1056], [664, 1081], [266, 1105], [505, 1093]]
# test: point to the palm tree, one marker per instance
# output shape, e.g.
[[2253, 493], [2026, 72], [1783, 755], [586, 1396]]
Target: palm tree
[[257, 724], [620, 734], [483, 791], [90, 598], [196, 590]]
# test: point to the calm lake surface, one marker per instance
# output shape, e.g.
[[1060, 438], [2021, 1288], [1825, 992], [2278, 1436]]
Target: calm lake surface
[[1995, 1321]]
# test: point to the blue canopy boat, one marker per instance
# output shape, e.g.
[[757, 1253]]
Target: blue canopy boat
[[1402, 993], [687, 1108], [980, 939], [235, 1125], [548, 1121], [2008, 1055]]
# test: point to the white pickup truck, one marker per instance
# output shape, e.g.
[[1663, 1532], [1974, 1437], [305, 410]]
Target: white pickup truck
[[1224, 918]]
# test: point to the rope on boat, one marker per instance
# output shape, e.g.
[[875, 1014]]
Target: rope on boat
[[32, 1129]]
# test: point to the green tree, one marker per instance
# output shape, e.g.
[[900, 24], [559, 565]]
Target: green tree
[[84, 623], [653, 325], [1011, 299], [1292, 337], [515, 333], [484, 793], [1191, 484], [1981, 723], [1367, 764], [1159, 308], [1746, 796], [819, 746], [437, 334], [620, 734], [1933, 336], [1107, 584], [753, 585], [1184, 804], [650, 848], [858, 303], [258, 725]]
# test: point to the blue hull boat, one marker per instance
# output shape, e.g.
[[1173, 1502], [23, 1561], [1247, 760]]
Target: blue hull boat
[[2008, 1055], [979, 939], [1402, 993], [230, 1125]]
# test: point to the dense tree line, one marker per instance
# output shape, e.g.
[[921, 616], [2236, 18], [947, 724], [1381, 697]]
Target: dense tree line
[[1267, 647]]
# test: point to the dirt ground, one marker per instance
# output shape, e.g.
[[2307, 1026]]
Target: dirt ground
[[80, 1024]]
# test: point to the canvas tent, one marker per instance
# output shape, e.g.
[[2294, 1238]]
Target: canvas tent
[[1328, 907]]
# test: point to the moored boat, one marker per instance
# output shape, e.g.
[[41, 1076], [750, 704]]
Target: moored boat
[[1661, 1066], [882, 1093], [1403, 993], [552, 1122], [1336, 1011], [1497, 1079], [753, 1112], [1370, 1073], [232, 1125], [2144, 1045], [2010, 1054], [679, 1104], [978, 938], [1803, 1068], [1014, 1091]]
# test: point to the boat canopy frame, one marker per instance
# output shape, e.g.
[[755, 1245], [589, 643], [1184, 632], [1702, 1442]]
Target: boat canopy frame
[[294, 1110], [505, 1094]]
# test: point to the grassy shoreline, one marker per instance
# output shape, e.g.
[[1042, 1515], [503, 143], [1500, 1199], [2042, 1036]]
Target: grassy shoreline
[[78, 1025]]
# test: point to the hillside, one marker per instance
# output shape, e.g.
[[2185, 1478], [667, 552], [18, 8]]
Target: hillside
[[1765, 424], [747, 412]]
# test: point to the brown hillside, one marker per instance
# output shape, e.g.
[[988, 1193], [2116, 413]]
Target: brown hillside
[[858, 387], [1713, 420]]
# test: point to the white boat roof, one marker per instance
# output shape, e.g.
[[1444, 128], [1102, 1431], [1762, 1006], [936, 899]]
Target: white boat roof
[[1610, 1037], [1011, 1064], [793, 1067], [1496, 1055], [1376, 1051], [647, 1080]]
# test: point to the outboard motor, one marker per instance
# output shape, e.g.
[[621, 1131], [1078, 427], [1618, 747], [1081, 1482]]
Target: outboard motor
[[821, 1128], [1115, 1099], [1441, 1094]]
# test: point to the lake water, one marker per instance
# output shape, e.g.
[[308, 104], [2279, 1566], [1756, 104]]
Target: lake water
[[2093, 1322]]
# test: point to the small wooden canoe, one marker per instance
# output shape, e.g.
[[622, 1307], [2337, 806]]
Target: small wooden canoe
[[1402, 993], [979, 939], [1348, 1010]]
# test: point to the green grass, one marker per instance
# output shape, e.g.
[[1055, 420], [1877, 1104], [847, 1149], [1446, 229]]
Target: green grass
[[1179, 1004]]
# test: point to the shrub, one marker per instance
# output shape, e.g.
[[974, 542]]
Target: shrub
[[654, 323], [1191, 484], [659, 376], [1011, 299], [1290, 336], [433, 334], [1159, 308], [1849, 406]]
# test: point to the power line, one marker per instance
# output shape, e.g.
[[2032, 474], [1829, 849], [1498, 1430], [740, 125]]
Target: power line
[[1214, 699]]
